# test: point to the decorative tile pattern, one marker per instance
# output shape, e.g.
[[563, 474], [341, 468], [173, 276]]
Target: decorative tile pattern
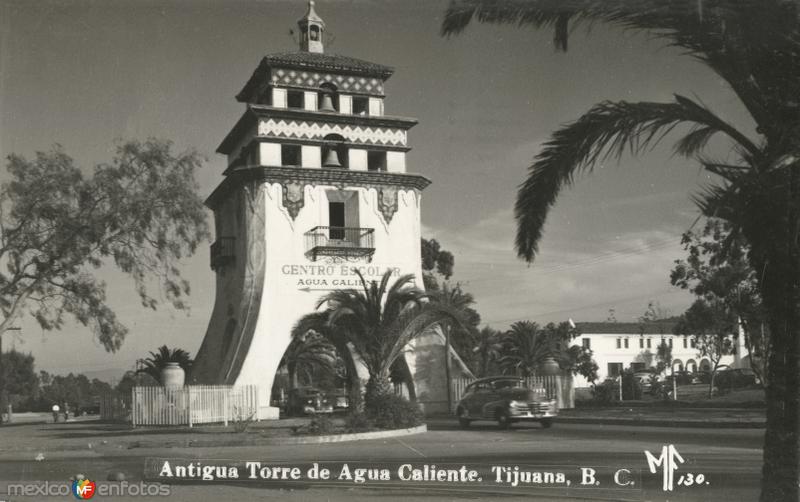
[[345, 83], [301, 129]]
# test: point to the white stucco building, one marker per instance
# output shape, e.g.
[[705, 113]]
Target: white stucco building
[[316, 186], [618, 346]]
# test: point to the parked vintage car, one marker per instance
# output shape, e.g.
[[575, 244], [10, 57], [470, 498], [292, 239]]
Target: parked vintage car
[[340, 402], [506, 400], [308, 401], [734, 379], [646, 379], [701, 376]]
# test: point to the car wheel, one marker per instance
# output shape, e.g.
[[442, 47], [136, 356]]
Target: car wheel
[[463, 421], [546, 423], [503, 419]]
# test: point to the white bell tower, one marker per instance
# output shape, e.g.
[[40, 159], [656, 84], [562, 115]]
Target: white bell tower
[[316, 186]]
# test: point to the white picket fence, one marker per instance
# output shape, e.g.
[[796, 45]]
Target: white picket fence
[[113, 407], [558, 387], [193, 404]]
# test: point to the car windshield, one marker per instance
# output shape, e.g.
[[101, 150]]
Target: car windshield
[[505, 384]]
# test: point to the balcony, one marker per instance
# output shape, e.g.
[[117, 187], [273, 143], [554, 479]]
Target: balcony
[[222, 252], [340, 241]]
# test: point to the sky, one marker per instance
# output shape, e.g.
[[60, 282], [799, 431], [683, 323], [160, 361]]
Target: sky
[[86, 74]]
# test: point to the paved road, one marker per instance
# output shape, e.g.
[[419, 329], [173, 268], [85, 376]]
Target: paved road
[[729, 459]]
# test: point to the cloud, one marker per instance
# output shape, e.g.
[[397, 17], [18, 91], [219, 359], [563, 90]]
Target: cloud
[[569, 278]]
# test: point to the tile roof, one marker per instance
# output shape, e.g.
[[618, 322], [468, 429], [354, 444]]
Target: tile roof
[[662, 327], [313, 61], [328, 61]]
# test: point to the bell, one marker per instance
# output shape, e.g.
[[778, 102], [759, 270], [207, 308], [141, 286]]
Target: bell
[[331, 159], [327, 103]]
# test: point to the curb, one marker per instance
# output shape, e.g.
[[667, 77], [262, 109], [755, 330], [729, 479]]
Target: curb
[[655, 422], [358, 436], [285, 441]]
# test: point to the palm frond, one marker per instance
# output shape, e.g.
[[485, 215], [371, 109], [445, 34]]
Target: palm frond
[[695, 141], [751, 44], [608, 129]]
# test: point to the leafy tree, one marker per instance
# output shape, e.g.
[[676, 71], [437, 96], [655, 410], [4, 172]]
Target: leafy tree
[[718, 273], [579, 361], [435, 259], [73, 391], [158, 360], [133, 379], [20, 381], [712, 325], [753, 47], [379, 321], [57, 226]]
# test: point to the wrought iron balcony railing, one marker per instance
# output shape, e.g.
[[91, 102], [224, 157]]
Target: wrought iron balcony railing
[[340, 241], [222, 252]]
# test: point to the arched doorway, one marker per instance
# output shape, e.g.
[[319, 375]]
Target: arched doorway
[[315, 376]]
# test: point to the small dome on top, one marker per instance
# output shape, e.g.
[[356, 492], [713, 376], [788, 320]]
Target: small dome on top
[[312, 28]]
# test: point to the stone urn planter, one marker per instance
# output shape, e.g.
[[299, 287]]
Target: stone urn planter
[[172, 375], [550, 367]]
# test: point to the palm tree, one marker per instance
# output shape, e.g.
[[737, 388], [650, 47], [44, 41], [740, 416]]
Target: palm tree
[[379, 321], [158, 361], [525, 347], [486, 350], [458, 300], [308, 353], [317, 322], [754, 46]]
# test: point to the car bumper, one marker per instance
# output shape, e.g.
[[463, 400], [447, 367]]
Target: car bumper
[[534, 411], [530, 415], [308, 410]]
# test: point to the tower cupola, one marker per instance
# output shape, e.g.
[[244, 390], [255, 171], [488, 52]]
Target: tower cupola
[[312, 28]]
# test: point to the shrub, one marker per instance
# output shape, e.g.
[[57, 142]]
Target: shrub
[[390, 411], [243, 418], [631, 386], [606, 392], [357, 421], [658, 389], [319, 425]]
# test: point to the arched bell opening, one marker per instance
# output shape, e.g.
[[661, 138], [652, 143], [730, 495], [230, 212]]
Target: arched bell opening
[[328, 98], [334, 152], [314, 377]]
